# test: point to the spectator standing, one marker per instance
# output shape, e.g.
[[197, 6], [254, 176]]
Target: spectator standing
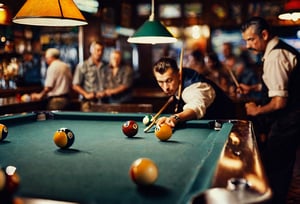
[[237, 66], [87, 80], [278, 115], [117, 80], [31, 69], [57, 83], [217, 73], [195, 61]]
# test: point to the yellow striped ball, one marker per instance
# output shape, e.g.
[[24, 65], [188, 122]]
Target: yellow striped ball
[[143, 171]]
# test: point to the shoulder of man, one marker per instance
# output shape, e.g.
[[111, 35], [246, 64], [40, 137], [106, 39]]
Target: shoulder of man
[[83, 65]]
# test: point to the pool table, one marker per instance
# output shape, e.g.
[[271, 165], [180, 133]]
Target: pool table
[[203, 159]]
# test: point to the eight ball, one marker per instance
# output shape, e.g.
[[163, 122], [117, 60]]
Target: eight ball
[[130, 128]]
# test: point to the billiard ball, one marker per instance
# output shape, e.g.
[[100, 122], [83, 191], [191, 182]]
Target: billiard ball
[[9, 180], [3, 132], [2, 180], [130, 128], [143, 171], [25, 98], [64, 138], [147, 119], [163, 132], [12, 179]]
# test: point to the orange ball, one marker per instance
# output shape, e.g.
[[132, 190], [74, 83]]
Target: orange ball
[[143, 171], [163, 132]]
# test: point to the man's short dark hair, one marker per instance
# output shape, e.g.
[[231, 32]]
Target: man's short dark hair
[[259, 23], [163, 64], [198, 56]]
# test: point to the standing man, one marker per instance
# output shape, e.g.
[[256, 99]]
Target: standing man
[[200, 98], [195, 61], [58, 82], [118, 80], [278, 116], [87, 77]]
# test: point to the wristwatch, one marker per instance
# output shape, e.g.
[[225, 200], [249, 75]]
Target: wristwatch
[[176, 117]]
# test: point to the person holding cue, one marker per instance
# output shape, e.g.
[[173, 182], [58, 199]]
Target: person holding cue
[[278, 115], [200, 98]]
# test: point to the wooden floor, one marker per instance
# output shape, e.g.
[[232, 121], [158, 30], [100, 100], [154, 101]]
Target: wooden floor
[[294, 193]]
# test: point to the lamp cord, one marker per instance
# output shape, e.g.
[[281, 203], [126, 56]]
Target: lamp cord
[[151, 17]]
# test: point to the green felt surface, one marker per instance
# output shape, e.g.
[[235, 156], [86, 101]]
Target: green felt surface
[[95, 169]]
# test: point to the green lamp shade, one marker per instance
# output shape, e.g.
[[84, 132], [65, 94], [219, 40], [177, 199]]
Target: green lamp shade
[[152, 32]]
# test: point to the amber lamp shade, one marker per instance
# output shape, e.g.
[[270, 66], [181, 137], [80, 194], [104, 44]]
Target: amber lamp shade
[[50, 13]]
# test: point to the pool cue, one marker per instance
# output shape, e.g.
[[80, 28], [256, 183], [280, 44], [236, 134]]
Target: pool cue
[[235, 81], [158, 114], [180, 78]]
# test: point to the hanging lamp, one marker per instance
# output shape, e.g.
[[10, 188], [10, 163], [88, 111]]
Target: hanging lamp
[[5, 15], [58, 13], [291, 11], [152, 32]]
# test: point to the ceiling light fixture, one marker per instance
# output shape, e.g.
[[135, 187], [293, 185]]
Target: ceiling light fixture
[[5, 15], [60, 13], [152, 32], [90, 6], [291, 11]]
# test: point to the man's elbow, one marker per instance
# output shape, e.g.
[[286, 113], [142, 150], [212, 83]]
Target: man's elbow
[[280, 103], [75, 87]]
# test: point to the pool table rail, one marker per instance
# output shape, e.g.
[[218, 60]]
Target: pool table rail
[[239, 175]]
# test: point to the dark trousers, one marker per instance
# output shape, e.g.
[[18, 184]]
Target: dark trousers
[[279, 149]]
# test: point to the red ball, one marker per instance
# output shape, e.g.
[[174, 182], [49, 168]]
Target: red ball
[[130, 128]]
